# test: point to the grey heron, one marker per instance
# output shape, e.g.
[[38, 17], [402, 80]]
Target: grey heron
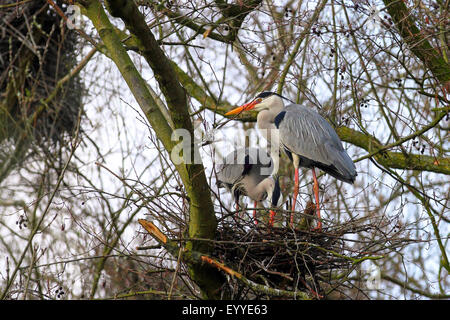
[[247, 171], [305, 136]]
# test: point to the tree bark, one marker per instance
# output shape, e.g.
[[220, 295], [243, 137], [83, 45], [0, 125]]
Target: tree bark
[[202, 222]]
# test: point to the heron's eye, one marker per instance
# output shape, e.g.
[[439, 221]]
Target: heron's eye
[[258, 100]]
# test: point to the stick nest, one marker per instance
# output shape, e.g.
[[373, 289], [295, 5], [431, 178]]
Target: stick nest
[[296, 259]]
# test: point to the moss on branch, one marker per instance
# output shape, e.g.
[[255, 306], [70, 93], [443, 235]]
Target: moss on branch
[[417, 41], [202, 222], [390, 159]]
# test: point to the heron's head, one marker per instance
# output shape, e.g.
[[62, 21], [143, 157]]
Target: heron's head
[[263, 101]]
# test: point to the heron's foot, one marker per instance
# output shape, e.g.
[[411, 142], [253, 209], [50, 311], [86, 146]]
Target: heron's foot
[[318, 228]]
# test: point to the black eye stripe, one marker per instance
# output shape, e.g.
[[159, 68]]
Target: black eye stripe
[[267, 94]]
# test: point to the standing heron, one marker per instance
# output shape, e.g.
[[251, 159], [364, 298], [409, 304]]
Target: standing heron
[[306, 137], [247, 171]]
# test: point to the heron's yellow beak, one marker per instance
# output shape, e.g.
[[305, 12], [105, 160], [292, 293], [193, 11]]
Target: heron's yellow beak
[[245, 107]]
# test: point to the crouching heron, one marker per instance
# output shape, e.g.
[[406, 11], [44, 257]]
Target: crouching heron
[[248, 172]]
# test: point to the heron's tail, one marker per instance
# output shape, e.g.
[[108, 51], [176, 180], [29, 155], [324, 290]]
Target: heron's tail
[[345, 168]]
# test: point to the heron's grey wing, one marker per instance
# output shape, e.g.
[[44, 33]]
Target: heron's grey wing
[[261, 164], [242, 162], [231, 171], [236, 164], [307, 134]]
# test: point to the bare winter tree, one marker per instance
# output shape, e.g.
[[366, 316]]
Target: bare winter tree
[[112, 119]]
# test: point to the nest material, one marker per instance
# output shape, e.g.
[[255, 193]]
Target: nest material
[[280, 258], [36, 51], [287, 259]]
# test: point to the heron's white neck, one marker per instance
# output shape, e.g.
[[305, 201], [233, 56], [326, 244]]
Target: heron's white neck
[[270, 108]]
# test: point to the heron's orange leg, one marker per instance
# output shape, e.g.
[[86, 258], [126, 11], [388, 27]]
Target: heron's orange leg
[[316, 195], [272, 217], [294, 200]]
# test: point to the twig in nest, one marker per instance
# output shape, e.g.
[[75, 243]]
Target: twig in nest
[[195, 257]]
